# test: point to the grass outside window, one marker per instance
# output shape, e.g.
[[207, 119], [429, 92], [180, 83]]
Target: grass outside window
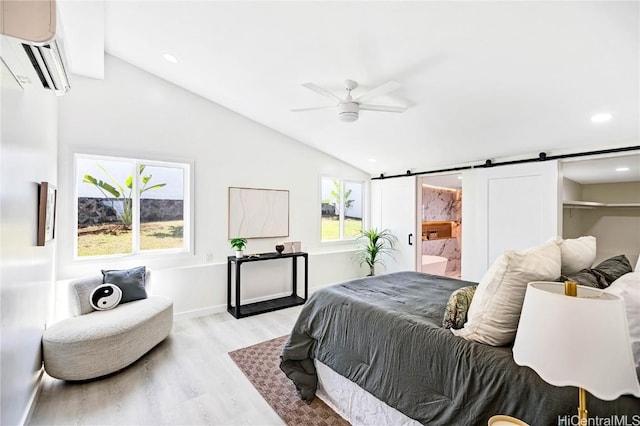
[[331, 228], [110, 239]]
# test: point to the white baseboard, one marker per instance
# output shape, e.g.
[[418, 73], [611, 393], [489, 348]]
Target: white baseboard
[[217, 309], [35, 395], [200, 312]]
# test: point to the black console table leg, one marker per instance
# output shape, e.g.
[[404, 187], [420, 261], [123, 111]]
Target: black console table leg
[[295, 276], [237, 289], [306, 277], [228, 286]]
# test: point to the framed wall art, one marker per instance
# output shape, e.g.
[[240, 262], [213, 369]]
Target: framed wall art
[[46, 213], [258, 213]]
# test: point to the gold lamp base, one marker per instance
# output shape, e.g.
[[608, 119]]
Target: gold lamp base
[[571, 289], [582, 408]]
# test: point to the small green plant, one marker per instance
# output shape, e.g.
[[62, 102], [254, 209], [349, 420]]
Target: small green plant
[[372, 245], [238, 243]]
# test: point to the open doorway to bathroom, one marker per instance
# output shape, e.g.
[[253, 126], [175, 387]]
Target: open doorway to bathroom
[[440, 220]]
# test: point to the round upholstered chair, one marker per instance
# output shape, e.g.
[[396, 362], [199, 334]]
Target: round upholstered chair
[[94, 343]]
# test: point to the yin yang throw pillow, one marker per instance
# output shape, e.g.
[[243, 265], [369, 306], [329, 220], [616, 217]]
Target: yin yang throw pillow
[[105, 297]]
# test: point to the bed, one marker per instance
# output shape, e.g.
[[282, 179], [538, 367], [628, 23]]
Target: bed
[[385, 334]]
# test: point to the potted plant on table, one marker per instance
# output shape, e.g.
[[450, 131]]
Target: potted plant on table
[[239, 244], [373, 245]]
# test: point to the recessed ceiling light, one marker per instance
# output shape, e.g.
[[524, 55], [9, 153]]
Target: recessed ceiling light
[[601, 118], [459, 177], [169, 57], [372, 160], [622, 169]]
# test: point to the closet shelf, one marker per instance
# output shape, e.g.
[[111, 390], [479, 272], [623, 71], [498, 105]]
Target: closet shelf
[[594, 204]]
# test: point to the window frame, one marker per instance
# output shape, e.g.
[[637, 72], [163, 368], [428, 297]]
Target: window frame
[[341, 217], [136, 161]]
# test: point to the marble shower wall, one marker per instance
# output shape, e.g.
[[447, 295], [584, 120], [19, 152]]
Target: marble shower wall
[[440, 204]]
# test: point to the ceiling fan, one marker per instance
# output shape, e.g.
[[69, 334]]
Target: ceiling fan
[[349, 108]]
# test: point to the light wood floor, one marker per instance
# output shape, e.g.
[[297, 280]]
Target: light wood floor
[[188, 379]]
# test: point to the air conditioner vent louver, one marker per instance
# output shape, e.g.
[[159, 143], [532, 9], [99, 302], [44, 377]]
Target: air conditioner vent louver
[[46, 61], [34, 62]]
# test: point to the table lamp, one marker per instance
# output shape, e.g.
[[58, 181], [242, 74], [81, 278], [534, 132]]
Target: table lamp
[[577, 337]]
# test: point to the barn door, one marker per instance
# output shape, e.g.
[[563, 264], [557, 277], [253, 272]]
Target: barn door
[[393, 204]]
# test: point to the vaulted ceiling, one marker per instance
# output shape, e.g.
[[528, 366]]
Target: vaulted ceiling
[[481, 79]]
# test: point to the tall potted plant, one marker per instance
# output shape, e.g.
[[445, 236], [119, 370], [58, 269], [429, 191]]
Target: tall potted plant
[[373, 245], [239, 244]]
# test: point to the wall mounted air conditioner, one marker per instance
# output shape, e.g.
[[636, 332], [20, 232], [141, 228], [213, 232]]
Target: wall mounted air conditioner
[[32, 45]]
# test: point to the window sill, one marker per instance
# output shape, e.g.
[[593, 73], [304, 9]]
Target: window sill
[[339, 242], [156, 254]]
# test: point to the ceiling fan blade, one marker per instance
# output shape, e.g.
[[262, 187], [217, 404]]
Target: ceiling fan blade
[[384, 108], [319, 90], [387, 87], [312, 108]]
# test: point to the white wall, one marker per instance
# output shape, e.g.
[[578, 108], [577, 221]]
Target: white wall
[[571, 190], [132, 113], [571, 219], [619, 192], [28, 155]]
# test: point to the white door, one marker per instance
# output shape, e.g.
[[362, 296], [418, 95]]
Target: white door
[[393, 206], [507, 208]]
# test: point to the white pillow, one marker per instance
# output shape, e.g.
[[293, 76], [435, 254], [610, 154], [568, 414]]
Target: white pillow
[[628, 288], [495, 308], [577, 254]]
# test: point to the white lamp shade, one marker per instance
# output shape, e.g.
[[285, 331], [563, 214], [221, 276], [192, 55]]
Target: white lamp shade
[[578, 341]]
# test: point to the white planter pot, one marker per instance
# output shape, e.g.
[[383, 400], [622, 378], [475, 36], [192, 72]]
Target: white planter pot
[[239, 254]]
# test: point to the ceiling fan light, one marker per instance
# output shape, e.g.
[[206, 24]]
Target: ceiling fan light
[[347, 116], [348, 111]]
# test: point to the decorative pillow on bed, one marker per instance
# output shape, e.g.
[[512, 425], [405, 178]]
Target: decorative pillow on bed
[[628, 288], [495, 309], [455, 313], [602, 275], [105, 297], [577, 254], [130, 281]]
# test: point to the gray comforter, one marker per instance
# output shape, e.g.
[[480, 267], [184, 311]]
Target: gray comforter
[[385, 334]]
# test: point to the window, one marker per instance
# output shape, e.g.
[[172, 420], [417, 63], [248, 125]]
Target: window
[[129, 206], [341, 209]]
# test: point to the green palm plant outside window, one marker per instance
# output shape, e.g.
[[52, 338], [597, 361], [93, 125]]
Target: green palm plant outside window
[[115, 190]]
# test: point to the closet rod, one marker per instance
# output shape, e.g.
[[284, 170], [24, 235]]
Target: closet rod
[[488, 163]]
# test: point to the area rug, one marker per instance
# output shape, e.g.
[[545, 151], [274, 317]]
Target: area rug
[[260, 363]]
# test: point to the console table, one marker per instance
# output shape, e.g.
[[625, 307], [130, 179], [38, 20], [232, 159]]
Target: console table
[[240, 311]]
